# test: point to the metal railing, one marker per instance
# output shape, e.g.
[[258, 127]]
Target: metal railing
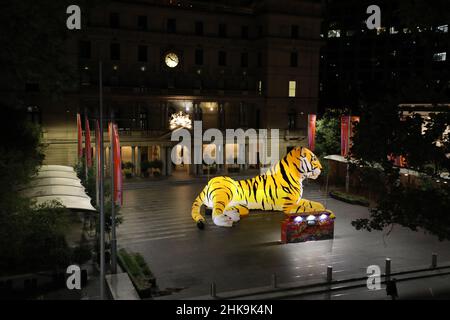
[[290, 290]]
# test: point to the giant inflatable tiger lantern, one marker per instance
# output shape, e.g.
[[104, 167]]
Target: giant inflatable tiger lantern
[[279, 189]]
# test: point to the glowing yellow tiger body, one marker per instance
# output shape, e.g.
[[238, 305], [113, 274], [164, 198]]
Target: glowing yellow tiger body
[[279, 189]]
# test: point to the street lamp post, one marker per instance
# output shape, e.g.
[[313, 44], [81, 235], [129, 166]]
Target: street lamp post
[[113, 211], [101, 187], [347, 174]]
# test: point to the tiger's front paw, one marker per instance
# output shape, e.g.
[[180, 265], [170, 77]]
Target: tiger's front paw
[[200, 225], [223, 221], [234, 215]]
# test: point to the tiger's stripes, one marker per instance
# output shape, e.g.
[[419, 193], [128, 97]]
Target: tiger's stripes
[[279, 189]]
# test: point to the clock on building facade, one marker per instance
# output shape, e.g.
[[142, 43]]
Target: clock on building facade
[[171, 59]]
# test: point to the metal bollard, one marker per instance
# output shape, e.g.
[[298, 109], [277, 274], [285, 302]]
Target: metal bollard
[[387, 269], [433, 260], [213, 290], [329, 273], [274, 280]]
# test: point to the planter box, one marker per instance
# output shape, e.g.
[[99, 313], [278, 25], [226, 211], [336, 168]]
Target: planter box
[[349, 199]]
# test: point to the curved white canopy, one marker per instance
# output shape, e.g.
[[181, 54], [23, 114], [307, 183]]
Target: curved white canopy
[[40, 191], [59, 183], [55, 182], [56, 168], [56, 174], [70, 202]]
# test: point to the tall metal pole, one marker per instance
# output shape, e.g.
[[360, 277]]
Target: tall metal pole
[[347, 175], [102, 193], [85, 147], [113, 211]]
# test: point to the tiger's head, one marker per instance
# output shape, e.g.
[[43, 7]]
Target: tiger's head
[[310, 166]]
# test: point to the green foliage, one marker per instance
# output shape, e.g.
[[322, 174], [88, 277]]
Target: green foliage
[[375, 136], [156, 164], [145, 165], [33, 42], [328, 134], [138, 270], [81, 254], [21, 151], [350, 198], [91, 189], [128, 165], [108, 214], [424, 208], [89, 184], [142, 265], [33, 238], [382, 132]]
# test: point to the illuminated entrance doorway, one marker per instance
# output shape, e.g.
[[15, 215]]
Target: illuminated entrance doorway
[[182, 169]]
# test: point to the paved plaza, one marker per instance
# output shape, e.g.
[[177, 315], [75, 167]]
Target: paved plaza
[[157, 223]]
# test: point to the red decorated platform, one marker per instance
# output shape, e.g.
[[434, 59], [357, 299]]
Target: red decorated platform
[[308, 226]]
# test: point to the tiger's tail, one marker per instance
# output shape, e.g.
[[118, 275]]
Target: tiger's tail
[[196, 206]]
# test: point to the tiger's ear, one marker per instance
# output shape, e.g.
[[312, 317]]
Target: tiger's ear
[[303, 151]]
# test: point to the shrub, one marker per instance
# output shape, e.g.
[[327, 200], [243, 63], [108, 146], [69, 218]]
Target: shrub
[[81, 254], [139, 272], [157, 164], [145, 165], [128, 165], [349, 198]]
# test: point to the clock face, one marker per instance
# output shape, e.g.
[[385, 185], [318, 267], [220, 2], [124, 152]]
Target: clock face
[[171, 60]]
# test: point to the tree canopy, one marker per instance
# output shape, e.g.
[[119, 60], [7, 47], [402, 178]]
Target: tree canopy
[[328, 133], [425, 144], [383, 133]]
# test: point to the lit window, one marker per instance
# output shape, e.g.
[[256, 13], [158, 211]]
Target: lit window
[[440, 56], [392, 30], [292, 88], [334, 33], [260, 87], [381, 30], [350, 33], [443, 28]]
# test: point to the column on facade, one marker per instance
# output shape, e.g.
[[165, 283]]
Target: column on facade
[[225, 165], [197, 167], [165, 158], [168, 151], [107, 157], [221, 115], [133, 160], [164, 161], [164, 117], [138, 161], [247, 155], [193, 167]]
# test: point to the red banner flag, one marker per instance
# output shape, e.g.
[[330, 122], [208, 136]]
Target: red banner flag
[[87, 143], [97, 157], [347, 132], [311, 131], [345, 135], [118, 187], [79, 137], [399, 161]]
